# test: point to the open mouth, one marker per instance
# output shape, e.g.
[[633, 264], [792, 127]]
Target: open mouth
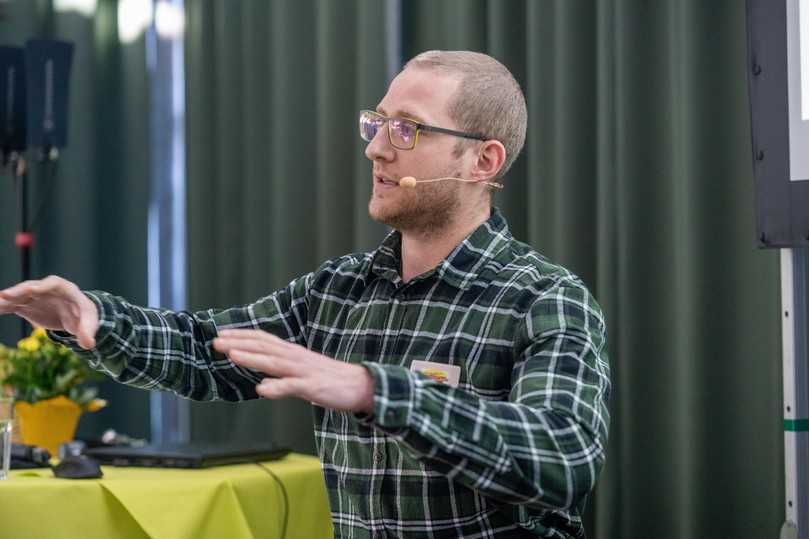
[[387, 182]]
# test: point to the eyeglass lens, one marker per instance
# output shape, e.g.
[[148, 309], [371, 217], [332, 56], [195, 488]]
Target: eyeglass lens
[[402, 132]]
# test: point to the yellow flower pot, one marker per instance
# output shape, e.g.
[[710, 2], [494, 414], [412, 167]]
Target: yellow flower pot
[[48, 423]]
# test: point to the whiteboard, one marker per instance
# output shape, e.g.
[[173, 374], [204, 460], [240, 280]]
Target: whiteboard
[[798, 84]]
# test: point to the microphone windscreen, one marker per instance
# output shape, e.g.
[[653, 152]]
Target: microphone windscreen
[[408, 181]]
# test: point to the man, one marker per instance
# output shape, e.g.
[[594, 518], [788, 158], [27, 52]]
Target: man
[[460, 379]]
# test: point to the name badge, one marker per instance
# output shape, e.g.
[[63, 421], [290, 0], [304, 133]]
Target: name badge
[[440, 372]]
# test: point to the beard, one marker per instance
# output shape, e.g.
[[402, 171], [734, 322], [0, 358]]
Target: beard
[[426, 210]]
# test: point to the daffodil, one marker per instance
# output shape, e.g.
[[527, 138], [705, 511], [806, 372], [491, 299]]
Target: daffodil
[[40, 369], [29, 344], [39, 333]]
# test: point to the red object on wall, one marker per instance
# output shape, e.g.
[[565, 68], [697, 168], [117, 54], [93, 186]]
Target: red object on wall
[[24, 240]]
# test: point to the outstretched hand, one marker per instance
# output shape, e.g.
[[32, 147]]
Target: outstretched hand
[[297, 371], [53, 303]]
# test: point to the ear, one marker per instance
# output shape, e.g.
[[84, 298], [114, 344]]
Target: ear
[[491, 156]]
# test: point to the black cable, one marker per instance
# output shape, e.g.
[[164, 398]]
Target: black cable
[[283, 493]]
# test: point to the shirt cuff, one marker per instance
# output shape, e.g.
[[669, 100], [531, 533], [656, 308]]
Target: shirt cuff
[[394, 396]]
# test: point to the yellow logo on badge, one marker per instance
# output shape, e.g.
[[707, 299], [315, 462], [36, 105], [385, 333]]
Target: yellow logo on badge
[[436, 374], [440, 372]]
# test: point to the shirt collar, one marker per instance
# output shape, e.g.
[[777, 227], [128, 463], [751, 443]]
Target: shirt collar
[[462, 266]]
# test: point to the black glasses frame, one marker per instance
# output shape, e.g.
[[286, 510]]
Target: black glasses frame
[[419, 127]]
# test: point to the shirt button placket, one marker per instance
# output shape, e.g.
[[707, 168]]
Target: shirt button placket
[[379, 459]]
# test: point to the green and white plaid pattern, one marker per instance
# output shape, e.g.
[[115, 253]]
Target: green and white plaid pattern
[[511, 452]]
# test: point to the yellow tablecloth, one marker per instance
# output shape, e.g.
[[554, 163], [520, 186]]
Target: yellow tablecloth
[[228, 502]]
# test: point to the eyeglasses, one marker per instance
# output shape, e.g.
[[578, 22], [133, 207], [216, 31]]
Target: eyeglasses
[[403, 133]]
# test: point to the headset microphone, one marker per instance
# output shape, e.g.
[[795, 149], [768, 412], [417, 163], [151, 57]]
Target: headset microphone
[[410, 182]]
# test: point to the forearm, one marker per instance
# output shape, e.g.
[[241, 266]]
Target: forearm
[[508, 451], [154, 349]]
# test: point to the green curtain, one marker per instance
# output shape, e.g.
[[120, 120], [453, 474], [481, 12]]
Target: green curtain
[[276, 176], [91, 224], [636, 175]]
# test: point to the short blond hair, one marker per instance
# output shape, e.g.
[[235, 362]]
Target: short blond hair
[[488, 101]]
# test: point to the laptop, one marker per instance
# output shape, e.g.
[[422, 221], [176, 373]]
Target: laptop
[[192, 455]]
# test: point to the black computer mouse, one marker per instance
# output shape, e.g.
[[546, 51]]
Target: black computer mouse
[[77, 467]]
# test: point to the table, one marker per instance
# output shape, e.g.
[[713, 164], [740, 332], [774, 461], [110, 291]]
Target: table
[[233, 502]]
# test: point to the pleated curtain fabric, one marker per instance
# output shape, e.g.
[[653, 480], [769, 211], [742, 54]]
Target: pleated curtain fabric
[[277, 179], [90, 211]]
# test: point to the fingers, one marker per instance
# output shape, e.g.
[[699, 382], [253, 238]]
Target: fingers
[[261, 346], [6, 307], [22, 293], [28, 311], [14, 293], [271, 365], [26, 291], [257, 334], [260, 350], [86, 339], [276, 388], [257, 342], [88, 324], [53, 303], [14, 298]]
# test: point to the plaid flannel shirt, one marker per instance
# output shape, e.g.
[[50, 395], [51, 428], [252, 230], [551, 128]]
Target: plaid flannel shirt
[[512, 451]]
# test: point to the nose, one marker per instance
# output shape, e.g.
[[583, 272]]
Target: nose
[[380, 149]]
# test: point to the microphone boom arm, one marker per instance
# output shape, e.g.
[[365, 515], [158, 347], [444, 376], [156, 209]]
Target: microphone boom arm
[[411, 182]]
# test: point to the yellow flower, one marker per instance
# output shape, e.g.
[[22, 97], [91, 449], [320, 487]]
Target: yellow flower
[[95, 405], [39, 333], [30, 344]]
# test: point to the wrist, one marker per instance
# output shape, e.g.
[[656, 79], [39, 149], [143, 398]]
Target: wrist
[[366, 401]]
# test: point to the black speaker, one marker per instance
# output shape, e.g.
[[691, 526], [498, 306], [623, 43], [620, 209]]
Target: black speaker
[[12, 100], [48, 69]]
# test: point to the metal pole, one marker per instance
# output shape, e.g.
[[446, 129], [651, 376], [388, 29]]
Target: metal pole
[[393, 37], [795, 318], [24, 239], [170, 419]]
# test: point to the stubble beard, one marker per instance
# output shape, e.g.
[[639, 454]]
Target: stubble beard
[[427, 211]]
